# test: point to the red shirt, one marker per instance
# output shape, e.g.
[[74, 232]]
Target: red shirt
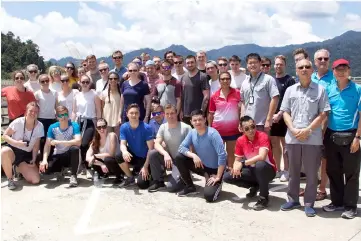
[[226, 112], [249, 149], [17, 100]]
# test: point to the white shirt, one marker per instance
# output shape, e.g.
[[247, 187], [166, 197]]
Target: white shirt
[[237, 81], [215, 85], [18, 127], [32, 86], [46, 103], [99, 86], [178, 76], [67, 101], [55, 86], [85, 104]]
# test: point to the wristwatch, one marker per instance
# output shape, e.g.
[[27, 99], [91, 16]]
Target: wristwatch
[[243, 161]]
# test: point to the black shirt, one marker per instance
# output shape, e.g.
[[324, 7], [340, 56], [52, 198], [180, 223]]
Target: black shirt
[[282, 84]]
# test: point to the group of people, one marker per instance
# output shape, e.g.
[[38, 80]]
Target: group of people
[[188, 114]]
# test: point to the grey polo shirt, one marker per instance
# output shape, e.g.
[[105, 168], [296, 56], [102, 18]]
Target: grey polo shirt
[[304, 105], [263, 91]]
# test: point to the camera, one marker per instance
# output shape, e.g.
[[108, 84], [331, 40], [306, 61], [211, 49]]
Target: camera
[[27, 143]]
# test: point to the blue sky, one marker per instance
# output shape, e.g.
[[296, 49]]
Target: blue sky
[[77, 28]]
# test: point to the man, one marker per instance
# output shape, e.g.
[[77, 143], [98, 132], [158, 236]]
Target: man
[[145, 57], [65, 137], [84, 63], [237, 76], [136, 140], [305, 106], [168, 90], [299, 54], [342, 141], [254, 166], [222, 64], [169, 55], [93, 71], [279, 128], [152, 75], [324, 77], [266, 65], [102, 84], [259, 94], [117, 57], [172, 133], [157, 118], [201, 60], [179, 67], [195, 90], [208, 159], [157, 61]]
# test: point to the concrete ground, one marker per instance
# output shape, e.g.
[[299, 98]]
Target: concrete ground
[[52, 211]]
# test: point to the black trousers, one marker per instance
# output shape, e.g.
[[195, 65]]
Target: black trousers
[[258, 176], [112, 164], [69, 158], [46, 123], [186, 164], [341, 163], [87, 130]]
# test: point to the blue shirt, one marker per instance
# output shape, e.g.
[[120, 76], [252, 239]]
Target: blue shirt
[[137, 138], [120, 71], [134, 94], [345, 107], [56, 133], [155, 126], [325, 80], [209, 147]]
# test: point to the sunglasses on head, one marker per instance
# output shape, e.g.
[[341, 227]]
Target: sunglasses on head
[[248, 128], [117, 57], [325, 59], [157, 113], [85, 82], [44, 81], [63, 115], [266, 65], [132, 70], [19, 78], [304, 67], [224, 65], [178, 62], [102, 127], [33, 71]]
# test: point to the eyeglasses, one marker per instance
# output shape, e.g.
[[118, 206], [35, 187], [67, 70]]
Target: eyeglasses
[[44, 81], [103, 70], [304, 67], [132, 70], [69, 67], [178, 62], [33, 71], [63, 115], [113, 78], [102, 127], [266, 65], [225, 79], [117, 57], [85, 82], [167, 67], [322, 58], [64, 80], [157, 113], [19, 78], [248, 128], [224, 65]]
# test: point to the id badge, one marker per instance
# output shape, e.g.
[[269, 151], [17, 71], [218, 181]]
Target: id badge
[[251, 100]]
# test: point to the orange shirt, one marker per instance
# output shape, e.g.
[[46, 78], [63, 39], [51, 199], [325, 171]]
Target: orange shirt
[[17, 101]]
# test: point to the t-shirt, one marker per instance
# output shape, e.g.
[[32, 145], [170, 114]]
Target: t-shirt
[[134, 94], [32, 85], [56, 133], [94, 77], [155, 126], [85, 104], [46, 103], [193, 92], [137, 138], [55, 86], [152, 80], [214, 86], [99, 88], [248, 149], [237, 80], [17, 100], [67, 101], [178, 76], [282, 84], [173, 137], [169, 91], [18, 127]]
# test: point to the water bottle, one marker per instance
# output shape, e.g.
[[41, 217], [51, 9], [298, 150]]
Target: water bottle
[[96, 180]]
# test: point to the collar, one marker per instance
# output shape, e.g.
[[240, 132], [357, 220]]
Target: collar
[[258, 76], [312, 85], [255, 137], [327, 73], [219, 93]]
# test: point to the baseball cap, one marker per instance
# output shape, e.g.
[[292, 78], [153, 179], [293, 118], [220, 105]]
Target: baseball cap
[[149, 62], [339, 62]]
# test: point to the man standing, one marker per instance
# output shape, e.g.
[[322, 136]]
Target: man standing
[[152, 76], [266, 65], [102, 84], [208, 159], [117, 57], [342, 141], [179, 67], [237, 76], [259, 94], [201, 61], [93, 72], [305, 106], [171, 133], [299, 54], [195, 90]]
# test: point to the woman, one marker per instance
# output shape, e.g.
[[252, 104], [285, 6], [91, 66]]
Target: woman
[[134, 90], [224, 112], [32, 84], [46, 99], [55, 81], [72, 73], [86, 108], [111, 103], [66, 95], [23, 138], [212, 71], [17, 96], [104, 151]]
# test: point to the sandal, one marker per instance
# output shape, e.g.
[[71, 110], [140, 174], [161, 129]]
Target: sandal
[[321, 195]]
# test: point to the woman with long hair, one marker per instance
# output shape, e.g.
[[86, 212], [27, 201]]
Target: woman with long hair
[[23, 142], [104, 151], [86, 109], [32, 84], [67, 94], [72, 73], [111, 103], [55, 78]]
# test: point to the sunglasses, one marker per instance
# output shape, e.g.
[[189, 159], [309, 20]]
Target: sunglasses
[[33, 71], [224, 65], [63, 115], [103, 70], [64, 80], [178, 62], [44, 81], [304, 67], [266, 65], [167, 67], [102, 127], [225, 79], [132, 70], [117, 57], [69, 67], [113, 78], [85, 82], [157, 113], [19, 78], [248, 128], [56, 72], [325, 59]]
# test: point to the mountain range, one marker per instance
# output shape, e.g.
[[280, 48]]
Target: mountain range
[[345, 46]]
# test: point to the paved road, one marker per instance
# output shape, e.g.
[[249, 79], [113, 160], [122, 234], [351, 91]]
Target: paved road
[[51, 211]]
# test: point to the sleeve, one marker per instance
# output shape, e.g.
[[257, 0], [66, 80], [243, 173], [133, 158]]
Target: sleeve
[[146, 90], [122, 87], [212, 104], [323, 104], [160, 131], [204, 82], [217, 143], [184, 146], [122, 132], [238, 150], [359, 101], [149, 133], [178, 89], [4, 91], [286, 106], [241, 91], [264, 142], [272, 86], [36, 95], [16, 125], [40, 131], [50, 133]]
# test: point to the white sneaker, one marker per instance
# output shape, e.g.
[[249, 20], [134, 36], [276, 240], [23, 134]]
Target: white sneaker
[[278, 174], [89, 174], [285, 176]]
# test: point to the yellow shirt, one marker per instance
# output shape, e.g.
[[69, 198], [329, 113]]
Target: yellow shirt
[[72, 80]]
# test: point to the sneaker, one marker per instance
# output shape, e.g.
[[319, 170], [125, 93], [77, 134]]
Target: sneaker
[[187, 191], [290, 205], [89, 174], [278, 174], [252, 192], [310, 212], [349, 214], [11, 184], [261, 204], [130, 181], [118, 180], [59, 177], [157, 186], [285, 176], [331, 208], [73, 181]]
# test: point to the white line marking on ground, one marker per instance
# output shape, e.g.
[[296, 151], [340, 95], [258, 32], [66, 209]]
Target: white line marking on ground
[[276, 188]]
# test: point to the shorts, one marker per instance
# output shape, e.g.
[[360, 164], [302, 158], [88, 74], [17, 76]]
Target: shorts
[[20, 155], [279, 129], [231, 138]]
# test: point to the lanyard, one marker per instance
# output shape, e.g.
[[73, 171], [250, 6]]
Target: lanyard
[[32, 131], [250, 84]]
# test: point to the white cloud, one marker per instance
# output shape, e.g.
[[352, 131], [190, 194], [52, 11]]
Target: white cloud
[[352, 22]]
